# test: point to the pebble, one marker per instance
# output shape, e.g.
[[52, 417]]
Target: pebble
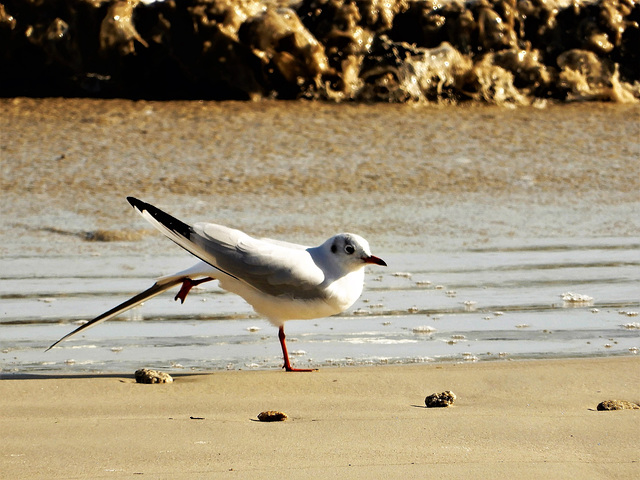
[[272, 416], [424, 329], [402, 274], [617, 405], [469, 305], [444, 399], [576, 297], [145, 375]]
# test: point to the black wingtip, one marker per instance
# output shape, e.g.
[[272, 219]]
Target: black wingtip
[[172, 223], [135, 203], [56, 343]]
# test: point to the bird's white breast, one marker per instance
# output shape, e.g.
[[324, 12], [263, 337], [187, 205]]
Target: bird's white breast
[[338, 296]]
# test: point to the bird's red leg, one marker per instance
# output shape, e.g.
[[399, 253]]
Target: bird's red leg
[[187, 285], [287, 364]]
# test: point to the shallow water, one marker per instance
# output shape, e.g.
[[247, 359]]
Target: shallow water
[[481, 304], [485, 216]]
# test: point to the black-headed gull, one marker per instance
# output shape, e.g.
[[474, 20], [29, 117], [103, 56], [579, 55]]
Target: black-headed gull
[[280, 280]]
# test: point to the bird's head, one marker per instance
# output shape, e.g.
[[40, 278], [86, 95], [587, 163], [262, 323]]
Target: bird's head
[[351, 251]]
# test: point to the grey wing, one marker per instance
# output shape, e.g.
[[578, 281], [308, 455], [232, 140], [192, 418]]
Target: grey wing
[[276, 268], [271, 267]]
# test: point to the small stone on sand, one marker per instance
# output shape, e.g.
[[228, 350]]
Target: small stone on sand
[[617, 405], [145, 375], [443, 399], [272, 416]]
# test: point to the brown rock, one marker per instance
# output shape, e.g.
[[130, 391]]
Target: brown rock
[[443, 399], [494, 51], [279, 36], [145, 375], [617, 405], [272, 416], [117, 31]]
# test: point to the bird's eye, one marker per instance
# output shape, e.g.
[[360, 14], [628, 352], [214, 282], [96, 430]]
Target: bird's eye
[[349, 249]]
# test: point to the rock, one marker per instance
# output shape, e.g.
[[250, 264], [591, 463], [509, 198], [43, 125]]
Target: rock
[[437, 400], [272, 416], [617, 405], [422, 329], [492, 51], [145, 375], [117, 30], [287, 47]]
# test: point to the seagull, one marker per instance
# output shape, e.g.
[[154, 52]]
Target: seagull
[[280, 280]]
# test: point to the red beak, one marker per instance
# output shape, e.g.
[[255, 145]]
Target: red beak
[[374, 259]]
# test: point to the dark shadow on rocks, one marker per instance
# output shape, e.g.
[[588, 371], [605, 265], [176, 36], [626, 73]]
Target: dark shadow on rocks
[[493, 51]]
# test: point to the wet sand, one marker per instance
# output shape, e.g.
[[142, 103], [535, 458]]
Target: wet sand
[[403, 176], [530, 419]]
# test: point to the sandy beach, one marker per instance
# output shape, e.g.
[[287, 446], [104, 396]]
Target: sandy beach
[[524, 419], [496, 212]]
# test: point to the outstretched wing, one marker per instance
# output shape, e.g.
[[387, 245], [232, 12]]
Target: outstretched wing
[[274, 268], [156, 289]]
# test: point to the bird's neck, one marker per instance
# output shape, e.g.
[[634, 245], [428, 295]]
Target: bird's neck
[[344, 291]]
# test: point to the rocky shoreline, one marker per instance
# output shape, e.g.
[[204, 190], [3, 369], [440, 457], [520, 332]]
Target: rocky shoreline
[[489, 51]]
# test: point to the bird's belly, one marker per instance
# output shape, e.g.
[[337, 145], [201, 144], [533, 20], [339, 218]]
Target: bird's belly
[[282, 308], [278, 310]]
